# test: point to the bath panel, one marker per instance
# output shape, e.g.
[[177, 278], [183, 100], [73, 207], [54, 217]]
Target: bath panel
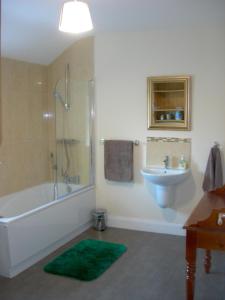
[[28, 237]]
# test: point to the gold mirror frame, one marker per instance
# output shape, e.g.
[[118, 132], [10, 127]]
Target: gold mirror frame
[[169, 103]]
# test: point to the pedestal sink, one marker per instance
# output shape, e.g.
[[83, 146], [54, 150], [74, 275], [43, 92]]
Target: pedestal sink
[[164, 182]]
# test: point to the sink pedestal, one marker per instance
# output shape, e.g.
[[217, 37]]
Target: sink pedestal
[[165, 195]]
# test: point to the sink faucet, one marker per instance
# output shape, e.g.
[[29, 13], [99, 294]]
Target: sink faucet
[[166, 162]]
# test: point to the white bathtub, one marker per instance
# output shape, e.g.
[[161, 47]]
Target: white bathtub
[[32, 224]]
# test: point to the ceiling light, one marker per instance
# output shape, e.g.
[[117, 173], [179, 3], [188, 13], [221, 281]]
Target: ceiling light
[[75, 17]]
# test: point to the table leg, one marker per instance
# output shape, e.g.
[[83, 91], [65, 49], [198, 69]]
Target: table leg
[[191, 264], [207, 261]]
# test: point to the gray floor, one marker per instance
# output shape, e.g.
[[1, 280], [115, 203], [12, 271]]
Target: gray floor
[[151, 269]]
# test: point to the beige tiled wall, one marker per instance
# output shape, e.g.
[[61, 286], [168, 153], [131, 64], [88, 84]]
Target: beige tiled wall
[[158, 148], [23, 149], [27, 137]]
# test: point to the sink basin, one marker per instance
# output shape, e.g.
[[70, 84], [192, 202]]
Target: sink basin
[[162, 176], [164, 183]]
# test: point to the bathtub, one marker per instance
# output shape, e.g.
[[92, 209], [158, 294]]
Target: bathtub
[[33, 224]]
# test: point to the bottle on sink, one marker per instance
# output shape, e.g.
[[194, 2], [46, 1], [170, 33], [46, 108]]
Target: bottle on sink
[[182, 163]]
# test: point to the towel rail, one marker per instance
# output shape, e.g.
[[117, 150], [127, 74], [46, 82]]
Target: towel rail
[[135, 142]]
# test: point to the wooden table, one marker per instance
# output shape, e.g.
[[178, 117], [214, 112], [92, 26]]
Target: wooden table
[[205, 229]]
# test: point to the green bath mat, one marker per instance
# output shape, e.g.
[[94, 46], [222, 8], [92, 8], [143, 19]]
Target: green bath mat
[[86, 260]]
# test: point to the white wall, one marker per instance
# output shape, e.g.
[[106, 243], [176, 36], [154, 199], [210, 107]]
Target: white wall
[[122, 62]]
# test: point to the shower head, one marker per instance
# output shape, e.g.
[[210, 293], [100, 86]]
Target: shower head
[[58, 96]]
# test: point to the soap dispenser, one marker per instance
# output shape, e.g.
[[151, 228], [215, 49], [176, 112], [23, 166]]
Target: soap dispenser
[[182, 163]]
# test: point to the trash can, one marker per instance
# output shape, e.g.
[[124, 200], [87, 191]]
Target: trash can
[[99, 216]]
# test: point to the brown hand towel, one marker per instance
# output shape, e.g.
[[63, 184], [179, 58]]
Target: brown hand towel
[[213, 178], [118, 160]]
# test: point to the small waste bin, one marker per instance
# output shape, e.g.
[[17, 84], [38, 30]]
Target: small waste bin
[[99, 216]]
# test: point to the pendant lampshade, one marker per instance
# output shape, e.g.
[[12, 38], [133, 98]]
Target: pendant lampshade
[[75, 17]]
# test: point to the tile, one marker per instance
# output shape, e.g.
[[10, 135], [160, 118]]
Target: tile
[[37, 122], [158, 149], [38, 79], [24, 147], [17, 75]]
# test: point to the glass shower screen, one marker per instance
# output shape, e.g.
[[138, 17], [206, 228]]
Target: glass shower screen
[[74, 135]]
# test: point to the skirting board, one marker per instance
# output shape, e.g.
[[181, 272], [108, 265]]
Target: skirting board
[[145, 225]]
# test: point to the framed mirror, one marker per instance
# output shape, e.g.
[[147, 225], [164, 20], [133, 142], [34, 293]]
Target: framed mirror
[[169, 103]]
